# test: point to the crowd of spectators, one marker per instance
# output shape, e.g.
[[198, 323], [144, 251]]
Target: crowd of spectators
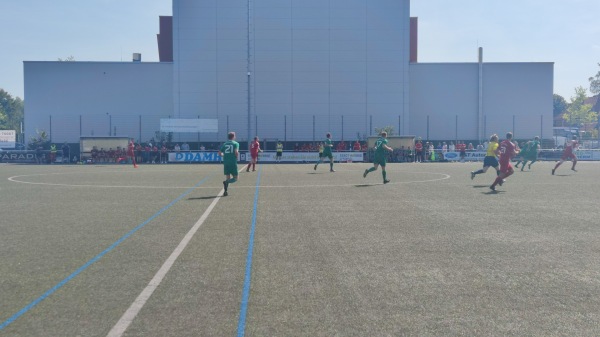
[[152, 153]]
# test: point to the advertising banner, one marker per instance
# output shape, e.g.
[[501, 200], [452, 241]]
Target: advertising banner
[[304, 157], [8, 138], [17, 157], [194, 157], [469, 156], [289, 157]]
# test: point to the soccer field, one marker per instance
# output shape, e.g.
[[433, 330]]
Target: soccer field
[[156, 251]]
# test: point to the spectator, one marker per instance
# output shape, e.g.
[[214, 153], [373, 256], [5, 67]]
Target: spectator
[[356, 146], [419, 151], [296, 148], [66, 152], [147, 150], [163, 154], [470, 148], [177, 148], [444, 147], [111, 155], [52, 153], [452, 147], [155, 155], [94, 154], [202, 148], [185, 147], [39, 155]]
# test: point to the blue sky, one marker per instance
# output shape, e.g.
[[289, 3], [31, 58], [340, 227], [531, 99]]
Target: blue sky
[[564, 32]]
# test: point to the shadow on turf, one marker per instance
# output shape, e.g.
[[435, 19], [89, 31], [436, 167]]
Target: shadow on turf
[[204, 198], [480, 186], [365, 185], [493, 192]]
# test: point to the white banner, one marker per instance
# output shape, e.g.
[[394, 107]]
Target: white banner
[[194, 157], [189, 125], [301, 157], [290, 157], [8, 138], [469, 156]]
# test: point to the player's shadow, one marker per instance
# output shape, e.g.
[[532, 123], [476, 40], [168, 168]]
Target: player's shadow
[[493, 192], [365, 185], [480, 186], [204, 198], [315, 172]]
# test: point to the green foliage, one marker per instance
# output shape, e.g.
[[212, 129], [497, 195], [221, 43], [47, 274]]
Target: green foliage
[[579, 113], [40, 139], [560, 104], [67, 59], [11, 111], [389, 129], [595, 83]]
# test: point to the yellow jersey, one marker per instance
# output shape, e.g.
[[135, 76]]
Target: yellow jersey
[[491, 150]]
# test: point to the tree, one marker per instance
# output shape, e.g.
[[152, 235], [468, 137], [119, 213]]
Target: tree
[[560, 104], [11, 111], [40, 139], [579, 113], [595, 83], [389, 129], [67, 59]]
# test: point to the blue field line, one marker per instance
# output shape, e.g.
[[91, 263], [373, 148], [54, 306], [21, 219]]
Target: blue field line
[[246, 292], [96, 258]]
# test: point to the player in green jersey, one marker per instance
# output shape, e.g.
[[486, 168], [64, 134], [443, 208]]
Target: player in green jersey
[[229, 151], [380, 157], [327, 146], [531, 154]]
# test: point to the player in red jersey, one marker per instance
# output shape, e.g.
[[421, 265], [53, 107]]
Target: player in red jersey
[[254, 150], [131, 153], [507, 150], [568, 154]]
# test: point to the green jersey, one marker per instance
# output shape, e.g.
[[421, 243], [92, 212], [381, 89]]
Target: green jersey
[[228, 149], [328, 145], [380, 150]]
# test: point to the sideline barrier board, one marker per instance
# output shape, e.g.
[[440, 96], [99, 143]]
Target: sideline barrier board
[[265, 157], [301, 157], [469, 156], [584, 155]]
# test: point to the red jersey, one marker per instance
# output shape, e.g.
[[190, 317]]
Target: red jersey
[[130, 148], [570, 147], [254, 148], [418, 146], [507, 150]]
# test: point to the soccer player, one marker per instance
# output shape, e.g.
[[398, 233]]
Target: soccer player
[[530, 153], [568, 154], [229, 151], [131, 153], [327, 146], [490, 159], [380, 157], [279, 151], [507, 150], [254, 150]]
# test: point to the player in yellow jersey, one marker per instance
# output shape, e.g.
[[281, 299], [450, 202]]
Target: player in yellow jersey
[[490, 159]]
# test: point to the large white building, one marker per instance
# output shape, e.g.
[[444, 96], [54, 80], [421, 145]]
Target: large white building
[[290, 70]]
